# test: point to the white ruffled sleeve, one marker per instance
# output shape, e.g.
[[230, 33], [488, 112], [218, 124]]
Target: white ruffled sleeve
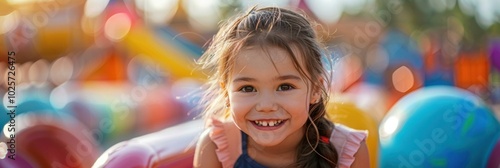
[[347, 141]]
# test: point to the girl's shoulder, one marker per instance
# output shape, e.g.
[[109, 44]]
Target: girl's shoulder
[[347, 142], [227, 138]]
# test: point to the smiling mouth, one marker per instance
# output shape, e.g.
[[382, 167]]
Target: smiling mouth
[[268, 123]]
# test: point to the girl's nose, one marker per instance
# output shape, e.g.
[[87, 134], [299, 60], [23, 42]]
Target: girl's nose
[[267, 103]]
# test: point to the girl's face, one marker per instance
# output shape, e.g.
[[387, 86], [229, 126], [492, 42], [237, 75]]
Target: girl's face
[[269, 99]]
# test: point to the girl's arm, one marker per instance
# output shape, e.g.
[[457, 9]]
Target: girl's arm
[[362, 158], [205, 155]]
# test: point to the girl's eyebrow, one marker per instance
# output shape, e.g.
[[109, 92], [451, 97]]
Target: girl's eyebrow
[[244, 79], [284, 77]]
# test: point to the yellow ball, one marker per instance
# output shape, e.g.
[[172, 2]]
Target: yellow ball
[[349, 115], [5, 8]]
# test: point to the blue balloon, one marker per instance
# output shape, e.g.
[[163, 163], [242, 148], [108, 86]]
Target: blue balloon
[[438, 126]]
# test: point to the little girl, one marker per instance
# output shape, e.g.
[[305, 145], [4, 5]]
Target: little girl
[[265, 105]]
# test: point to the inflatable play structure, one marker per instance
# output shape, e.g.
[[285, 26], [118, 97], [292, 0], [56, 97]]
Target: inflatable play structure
[[43, 140], [174, 54], [145, 45], [172, 147]]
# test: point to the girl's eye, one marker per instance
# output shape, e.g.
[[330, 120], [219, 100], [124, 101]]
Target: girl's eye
[[248, 89], [285, 87]]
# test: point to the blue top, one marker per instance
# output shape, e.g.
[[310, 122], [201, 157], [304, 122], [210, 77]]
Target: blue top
[[245, 161]]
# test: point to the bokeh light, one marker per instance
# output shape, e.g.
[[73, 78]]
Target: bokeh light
[[5, 130], [485, 11], [94, 8], [326, 10], [354, 7], [203, 15], [39, 71], [9, 22], [157, 11], [22, 73], [3, 150], [403, 79], [279, 3], [61, 95], [117, 26], [61, 70]]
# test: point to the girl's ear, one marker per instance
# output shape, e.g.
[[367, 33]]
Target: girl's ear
[[316, 95]]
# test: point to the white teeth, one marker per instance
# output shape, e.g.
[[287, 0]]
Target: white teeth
[[271, 123]]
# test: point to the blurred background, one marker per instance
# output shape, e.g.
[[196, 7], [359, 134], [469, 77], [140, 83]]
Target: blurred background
[[111, 70]]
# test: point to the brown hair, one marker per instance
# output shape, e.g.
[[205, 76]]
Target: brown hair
[[285, 29]]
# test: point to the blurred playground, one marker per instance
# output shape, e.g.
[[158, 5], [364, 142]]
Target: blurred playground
[[114, 83]]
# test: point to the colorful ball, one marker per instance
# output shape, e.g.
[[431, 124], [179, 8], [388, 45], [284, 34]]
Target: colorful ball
[[440, 126], [350, 115]]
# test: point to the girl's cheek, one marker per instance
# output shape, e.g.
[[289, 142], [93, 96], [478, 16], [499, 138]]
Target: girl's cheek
[[298, 102], [239, 104]]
